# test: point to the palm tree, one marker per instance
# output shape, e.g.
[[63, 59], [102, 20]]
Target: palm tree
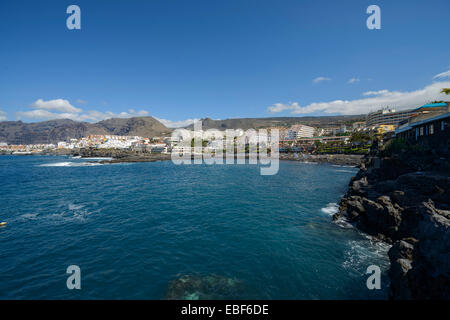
[[446, 90]]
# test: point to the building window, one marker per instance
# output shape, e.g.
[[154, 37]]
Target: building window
[[442, 125], [431, 128], [417, 132], [421, 131]]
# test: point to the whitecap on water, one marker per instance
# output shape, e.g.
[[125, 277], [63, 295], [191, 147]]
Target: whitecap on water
[[330, 209], [29, 216], [66, 212], [70, 164], [310, 162], [343, 223], [362, 253], [74, 212], [343, 166], [75, 207]]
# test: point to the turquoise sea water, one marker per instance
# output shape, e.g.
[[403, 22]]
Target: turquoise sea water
[[157, 231]]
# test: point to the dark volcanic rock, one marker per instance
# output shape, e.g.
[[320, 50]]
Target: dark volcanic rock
[[401, 256], [381, 218], [121, 155], [393, 201]]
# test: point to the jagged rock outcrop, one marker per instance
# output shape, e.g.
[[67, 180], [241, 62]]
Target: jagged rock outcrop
[[393, 201]]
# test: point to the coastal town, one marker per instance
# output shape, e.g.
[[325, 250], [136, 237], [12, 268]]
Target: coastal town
[[354, 137], [225, 159]]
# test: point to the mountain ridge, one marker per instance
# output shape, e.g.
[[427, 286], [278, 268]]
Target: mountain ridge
[[53, 131], [258, 123]]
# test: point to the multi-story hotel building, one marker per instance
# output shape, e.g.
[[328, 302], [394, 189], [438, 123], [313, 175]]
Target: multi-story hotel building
[[387, 116], [390, 116], [300, 131]]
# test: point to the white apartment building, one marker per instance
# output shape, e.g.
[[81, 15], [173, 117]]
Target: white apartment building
[[300, 131]]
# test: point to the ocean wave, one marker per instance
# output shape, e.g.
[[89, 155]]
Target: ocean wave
[[66, 212], [343, 223], [343, 166], [362, 253], [70, 164], [75, 207], [70, 212], [29, 216], [330, 209]]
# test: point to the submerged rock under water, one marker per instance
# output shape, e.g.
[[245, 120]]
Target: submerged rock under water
[[195, 287]]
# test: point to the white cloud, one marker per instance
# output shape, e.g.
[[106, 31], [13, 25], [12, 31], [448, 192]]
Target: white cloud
[[442, 75], [45, 114], [176, 124], [375, 93], [95, 116], [320, 79], [353, 80], [279, 107], [378, 99], [3, 116], [81, 101], [60, 105], [46, 110]]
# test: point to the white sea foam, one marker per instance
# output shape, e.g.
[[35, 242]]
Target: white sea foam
[[98, 158], [75, 207], [343, 223], [361, 253], [29, 216], [69, 212], [66, 212], [330, 209], [343, 165], [70, 164]]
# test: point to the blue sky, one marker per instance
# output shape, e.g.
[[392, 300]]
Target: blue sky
[[179, 60]]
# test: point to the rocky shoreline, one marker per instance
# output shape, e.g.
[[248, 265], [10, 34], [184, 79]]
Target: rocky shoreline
[[337, 159], [343, 160], [119, 156], [405, 200]]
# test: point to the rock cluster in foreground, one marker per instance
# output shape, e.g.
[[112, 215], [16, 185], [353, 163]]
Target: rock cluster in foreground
[[391, 199]]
